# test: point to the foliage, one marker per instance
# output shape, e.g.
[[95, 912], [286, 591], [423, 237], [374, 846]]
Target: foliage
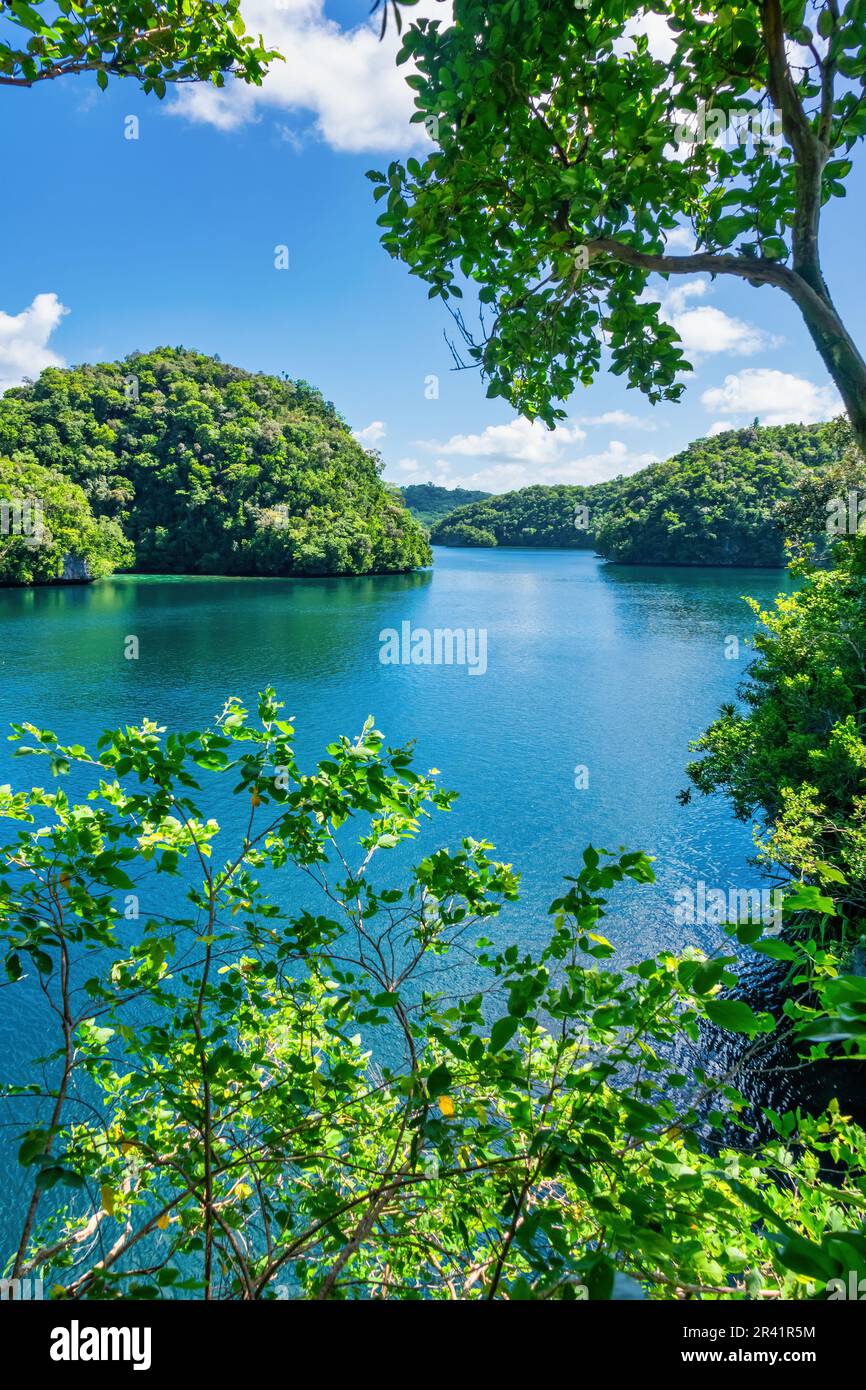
[[566, 155], [461, 532], [247, 1103], [533, 516], [213, 470], [156, 43], [795, 758], [429, 503], [820, 508], [716, 503], [48, 528]]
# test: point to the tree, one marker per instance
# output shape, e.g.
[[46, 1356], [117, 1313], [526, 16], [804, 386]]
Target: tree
[[157, 42], [826, 500], [244, 1102], [48, 531], [567, 155], [795, 758]]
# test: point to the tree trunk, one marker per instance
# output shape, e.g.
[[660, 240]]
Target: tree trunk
[[841, 358]]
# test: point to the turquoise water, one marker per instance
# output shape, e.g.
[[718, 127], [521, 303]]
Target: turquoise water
[[607, 667], [610, 668]]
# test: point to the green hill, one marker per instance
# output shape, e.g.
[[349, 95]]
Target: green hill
[[206, 469], [430, 504], [722, 501]]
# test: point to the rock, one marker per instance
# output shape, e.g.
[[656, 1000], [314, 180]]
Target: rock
[[75, 571]]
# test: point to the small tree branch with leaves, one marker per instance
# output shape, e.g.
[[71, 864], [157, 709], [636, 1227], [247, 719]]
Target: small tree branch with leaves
[[157, 43]]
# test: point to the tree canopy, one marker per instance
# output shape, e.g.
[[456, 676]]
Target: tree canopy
[[568, 155], [48, 530], [209, 469], [430, 503]]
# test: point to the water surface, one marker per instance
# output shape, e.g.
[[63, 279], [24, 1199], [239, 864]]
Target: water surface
[[589, 665]]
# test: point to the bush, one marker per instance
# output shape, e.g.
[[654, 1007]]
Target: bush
[[795, 758], [247, 1103]]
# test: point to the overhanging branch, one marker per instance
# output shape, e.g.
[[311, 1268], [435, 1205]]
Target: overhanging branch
[[755, 269]]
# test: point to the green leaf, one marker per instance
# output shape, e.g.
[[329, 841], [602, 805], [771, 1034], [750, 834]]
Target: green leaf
[[737, 1017], [502, 1032]]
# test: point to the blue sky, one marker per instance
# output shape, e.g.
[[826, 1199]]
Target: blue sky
[[109, 244]]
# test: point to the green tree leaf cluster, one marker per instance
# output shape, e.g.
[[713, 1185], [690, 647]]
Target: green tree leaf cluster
[[155, 42], [566, 155], [793, 758]]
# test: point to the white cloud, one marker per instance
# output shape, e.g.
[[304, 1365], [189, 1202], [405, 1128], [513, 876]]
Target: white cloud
[[345, 78], [707, 330], [776, 398], [523, 440], [24, 337], [662, 40], [681, 239], [521, 453], [506, 475], [617, 417], [677, 296], [372, 433], [704, 329]]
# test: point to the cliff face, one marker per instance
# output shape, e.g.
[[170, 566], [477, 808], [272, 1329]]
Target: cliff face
[[75, 571]]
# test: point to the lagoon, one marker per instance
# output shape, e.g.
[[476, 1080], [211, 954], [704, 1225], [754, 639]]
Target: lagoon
[[597, 676]]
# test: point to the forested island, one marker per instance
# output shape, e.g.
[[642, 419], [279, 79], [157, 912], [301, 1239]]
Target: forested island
[[174, 462], [731, 499], [430, 504]]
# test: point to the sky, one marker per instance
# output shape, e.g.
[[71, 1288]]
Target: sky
[[110, 244]]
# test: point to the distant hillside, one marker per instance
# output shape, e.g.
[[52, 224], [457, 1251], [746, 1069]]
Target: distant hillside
[[201, 467], [719, 502], [430, 504]]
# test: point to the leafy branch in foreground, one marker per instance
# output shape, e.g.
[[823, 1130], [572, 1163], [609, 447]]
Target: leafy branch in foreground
[[357, 1098], [156, 42]]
